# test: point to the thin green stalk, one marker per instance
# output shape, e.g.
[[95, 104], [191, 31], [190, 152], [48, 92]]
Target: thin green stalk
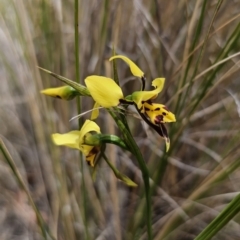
[[228, 213], [157, 11], [77, 69], [226, 49], [103, 33], [123, 126], [200, 55], [189, 63], [218, 174], [43, 226], [137, 153]]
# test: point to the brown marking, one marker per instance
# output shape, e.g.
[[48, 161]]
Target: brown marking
[[158, 119], [95, 150], [164, 113], [157, 109], [166, 108]]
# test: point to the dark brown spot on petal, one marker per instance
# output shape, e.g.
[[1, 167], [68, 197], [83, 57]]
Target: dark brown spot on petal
[[164, 113], [158, 119], [157, 109], [147, 109]]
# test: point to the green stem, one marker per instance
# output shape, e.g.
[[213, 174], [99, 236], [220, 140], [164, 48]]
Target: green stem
[[137, 153], [19, 179], [123, 126], [77, 69], [97, 139]]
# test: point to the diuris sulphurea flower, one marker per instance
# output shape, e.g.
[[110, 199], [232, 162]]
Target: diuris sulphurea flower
[[90, 134], [75, 139], [107, 93]]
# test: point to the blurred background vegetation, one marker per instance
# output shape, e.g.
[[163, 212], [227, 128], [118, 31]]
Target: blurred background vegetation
[[193, 44]]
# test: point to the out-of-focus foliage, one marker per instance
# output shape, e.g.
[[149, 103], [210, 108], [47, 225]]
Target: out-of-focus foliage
[[188, 43]]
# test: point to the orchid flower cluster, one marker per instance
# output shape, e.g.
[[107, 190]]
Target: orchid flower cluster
[[108, 94]]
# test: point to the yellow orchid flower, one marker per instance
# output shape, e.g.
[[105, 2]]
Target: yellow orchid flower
[[65, 92], [107, 94], [136, 71], [104, 91], [140, 97], [75, 139]]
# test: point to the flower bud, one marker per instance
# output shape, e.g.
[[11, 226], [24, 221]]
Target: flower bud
[[65, 92]]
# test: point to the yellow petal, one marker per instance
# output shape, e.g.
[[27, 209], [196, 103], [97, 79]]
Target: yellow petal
[[158, 83], [158, 113], [104, 91], [86, 149], [141, 96], [90, 157], [70, 139], [95, 111], [136, 71], [88, 126], [65, 92]]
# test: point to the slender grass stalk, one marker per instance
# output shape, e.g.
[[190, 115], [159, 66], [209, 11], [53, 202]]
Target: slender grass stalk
[[215, 176], [77, 70], [228, 213], [190, 60], [201, 54], [43, 226], [226, 49], [161, 55]]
